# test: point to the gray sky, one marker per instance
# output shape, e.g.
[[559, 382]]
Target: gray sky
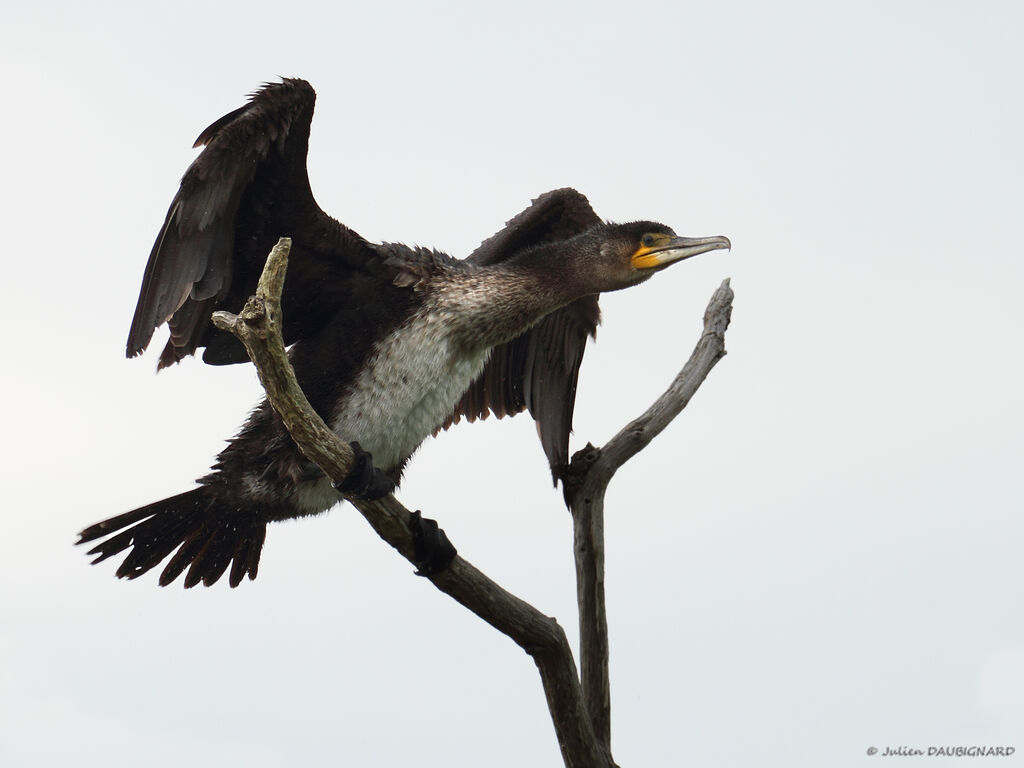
[[822, 554]]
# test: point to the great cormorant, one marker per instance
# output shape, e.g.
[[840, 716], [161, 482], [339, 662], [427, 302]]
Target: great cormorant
[[389, 343]]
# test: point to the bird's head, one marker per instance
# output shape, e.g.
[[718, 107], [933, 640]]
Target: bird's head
[[621, 255]]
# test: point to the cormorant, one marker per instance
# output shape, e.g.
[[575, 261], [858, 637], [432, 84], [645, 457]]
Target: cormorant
[[389, 343]]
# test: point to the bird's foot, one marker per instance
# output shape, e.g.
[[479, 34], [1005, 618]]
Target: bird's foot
[[433, 552], [364, 481]]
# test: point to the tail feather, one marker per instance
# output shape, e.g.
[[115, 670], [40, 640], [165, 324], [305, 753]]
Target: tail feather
[[247, 556], [214, 557], [209, 535], [182, 559]]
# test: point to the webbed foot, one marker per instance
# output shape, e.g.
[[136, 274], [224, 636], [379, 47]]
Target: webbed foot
[[434, 553], [365, 481]]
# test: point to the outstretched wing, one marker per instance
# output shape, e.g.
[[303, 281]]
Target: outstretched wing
[[248, 188], [539, 369]]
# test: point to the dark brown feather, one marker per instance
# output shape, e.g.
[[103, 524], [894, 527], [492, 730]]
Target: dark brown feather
[[245, 190]]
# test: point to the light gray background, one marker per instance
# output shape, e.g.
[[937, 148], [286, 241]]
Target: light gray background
[[823, 553]]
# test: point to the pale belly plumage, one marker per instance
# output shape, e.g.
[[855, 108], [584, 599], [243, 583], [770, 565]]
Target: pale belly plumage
[[407, 389]]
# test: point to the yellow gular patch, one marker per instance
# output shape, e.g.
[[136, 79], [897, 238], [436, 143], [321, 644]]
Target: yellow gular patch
[[647, 256]]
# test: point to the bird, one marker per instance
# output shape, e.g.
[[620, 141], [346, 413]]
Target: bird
[[389, 342]]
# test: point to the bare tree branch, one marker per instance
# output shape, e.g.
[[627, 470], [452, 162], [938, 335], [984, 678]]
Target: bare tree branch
[[709, 350], [258, 326], [586, 482]]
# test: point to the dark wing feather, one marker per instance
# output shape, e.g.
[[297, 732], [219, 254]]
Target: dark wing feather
[[539, 369], [247, 188]]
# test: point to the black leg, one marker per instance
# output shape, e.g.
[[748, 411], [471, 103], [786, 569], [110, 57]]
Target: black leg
[[365, 481], [434, 553]]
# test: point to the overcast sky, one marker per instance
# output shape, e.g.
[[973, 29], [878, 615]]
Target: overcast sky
[[822, 554]]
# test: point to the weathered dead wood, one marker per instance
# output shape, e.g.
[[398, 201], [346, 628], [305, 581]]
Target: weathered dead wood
[[587, 480]]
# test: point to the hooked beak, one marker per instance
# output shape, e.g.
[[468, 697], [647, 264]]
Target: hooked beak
[[675, 249]]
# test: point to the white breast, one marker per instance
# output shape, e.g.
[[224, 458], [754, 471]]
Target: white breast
[[408, 388]]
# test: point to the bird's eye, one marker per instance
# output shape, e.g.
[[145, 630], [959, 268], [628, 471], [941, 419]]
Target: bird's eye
[[647, 240]]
